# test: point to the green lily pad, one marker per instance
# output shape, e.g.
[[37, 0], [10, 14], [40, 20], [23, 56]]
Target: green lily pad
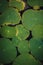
[[8, 32], [23, 47], [20, 5], [37, 31], [26, 59], [3, 5], [35, 2], [31, 18], [15, 41], [36, 46], [21, 32], [7, 51], [10, 16]]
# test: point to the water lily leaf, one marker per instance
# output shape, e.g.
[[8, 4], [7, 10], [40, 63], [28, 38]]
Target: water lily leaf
[[20, 5], [8, 32], [36, 46], [21, 32], [10, 16], [15, 41], [37, 31], [7, 51], [23, 47], [26, 59], [35, 2], [31, 18]]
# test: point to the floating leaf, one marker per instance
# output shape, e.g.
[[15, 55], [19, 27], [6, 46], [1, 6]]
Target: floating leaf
[[15, 41], [35, 2], [37, 31], [21, 32], [8, 32], [36, 46], [7, 51], [26, 59], [10, 16], [23, 46], [17, 4], [31, 18]]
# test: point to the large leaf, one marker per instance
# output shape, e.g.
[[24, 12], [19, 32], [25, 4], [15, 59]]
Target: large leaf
[[10, 16], [23, 47], [7, 51], [31, 18], [36, 47], [37, 31], [35, 2], [17, 4], [26, 59], [21, 32], [15, 41], [8, 32]]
